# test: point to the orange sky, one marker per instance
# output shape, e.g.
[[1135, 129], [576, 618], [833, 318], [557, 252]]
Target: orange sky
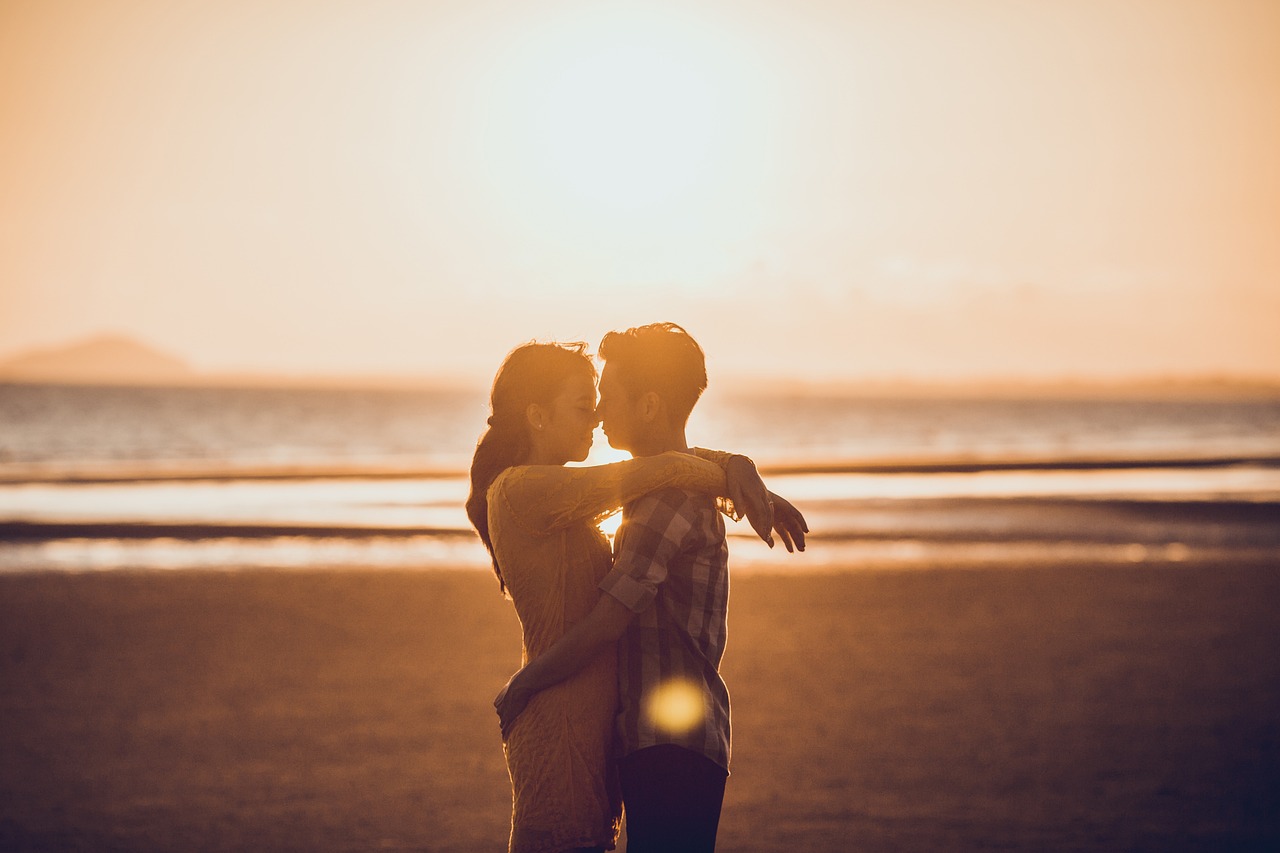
[[841, 189]]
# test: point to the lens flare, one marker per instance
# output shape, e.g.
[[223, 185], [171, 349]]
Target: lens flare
[[676, 706]]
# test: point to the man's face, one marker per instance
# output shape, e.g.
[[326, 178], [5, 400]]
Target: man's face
[[617, 411]]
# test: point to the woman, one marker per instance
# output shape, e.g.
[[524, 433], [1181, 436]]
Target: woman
[[539, 521]]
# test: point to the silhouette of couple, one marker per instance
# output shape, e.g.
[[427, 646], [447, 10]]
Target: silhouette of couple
[[620, 700]]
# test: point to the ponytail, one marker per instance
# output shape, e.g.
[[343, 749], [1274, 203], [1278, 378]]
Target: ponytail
[[504, 444]]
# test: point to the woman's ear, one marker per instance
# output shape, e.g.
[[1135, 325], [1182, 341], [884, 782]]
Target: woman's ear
[[535, 415]]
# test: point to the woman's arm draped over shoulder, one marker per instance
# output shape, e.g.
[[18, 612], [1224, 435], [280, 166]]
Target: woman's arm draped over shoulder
[[546, 497], [720, 457]]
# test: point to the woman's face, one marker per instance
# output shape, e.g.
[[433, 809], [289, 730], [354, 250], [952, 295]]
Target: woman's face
[[571, 419]]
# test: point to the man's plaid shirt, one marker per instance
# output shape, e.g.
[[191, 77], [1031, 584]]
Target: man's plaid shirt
[[671, 568]]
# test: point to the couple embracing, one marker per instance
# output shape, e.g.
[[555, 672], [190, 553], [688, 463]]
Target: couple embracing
[[620, 699]]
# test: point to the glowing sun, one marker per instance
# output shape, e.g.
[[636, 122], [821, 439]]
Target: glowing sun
[[627, 114]]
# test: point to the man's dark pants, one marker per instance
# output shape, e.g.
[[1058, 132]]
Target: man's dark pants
[[672, 797]]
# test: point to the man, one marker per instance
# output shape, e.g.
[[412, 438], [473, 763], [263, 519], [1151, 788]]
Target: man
[[664, 604]]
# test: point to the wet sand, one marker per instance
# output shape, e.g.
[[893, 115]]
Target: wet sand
[[1068, 707]]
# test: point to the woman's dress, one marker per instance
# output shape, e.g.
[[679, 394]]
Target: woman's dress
[[543, 523]]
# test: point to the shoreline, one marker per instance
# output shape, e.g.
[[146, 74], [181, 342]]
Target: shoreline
[[195, 471], [1222, 522]]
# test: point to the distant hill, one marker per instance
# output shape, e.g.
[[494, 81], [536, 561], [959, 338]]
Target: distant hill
[[103, 360]]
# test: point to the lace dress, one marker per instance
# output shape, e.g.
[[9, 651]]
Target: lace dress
[[543, 521]]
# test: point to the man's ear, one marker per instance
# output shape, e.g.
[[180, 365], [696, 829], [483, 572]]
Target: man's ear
[[650, 406]]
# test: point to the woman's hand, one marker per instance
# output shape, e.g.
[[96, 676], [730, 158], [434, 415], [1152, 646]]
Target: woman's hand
[[509, 702], [766, 511], [789, 523], [749, 496]]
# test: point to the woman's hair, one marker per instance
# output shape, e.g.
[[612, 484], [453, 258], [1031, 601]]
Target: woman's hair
[[532, 373]]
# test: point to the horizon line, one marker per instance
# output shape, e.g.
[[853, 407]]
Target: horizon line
[[159, 367], [733, 382]]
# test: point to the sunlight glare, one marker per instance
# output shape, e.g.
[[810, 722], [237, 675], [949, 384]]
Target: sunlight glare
[[676, 706], [609, 524], [627, 132], [602, 454], [625, 127]]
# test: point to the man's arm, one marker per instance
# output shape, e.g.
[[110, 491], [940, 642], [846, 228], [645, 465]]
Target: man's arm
[[601, 628], [648, 541]]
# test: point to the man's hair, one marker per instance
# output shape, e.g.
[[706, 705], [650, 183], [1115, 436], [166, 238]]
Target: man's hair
[[659, 357]]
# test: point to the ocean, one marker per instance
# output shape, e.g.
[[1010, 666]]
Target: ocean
[[104, 477]]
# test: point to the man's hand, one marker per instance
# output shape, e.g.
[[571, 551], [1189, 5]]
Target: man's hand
[[789, 523], [509, 702], [750, 497], [585, 641]]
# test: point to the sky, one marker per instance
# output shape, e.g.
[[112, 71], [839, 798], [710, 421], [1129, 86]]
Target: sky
[[945, 190]]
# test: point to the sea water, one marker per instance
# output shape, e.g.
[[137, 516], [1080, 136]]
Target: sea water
[[199, 477]]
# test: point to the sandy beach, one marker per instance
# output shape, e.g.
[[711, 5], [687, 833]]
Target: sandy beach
[[1070, 707]]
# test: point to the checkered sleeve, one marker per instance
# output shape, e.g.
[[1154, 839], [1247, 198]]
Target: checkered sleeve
[[656, 528]]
